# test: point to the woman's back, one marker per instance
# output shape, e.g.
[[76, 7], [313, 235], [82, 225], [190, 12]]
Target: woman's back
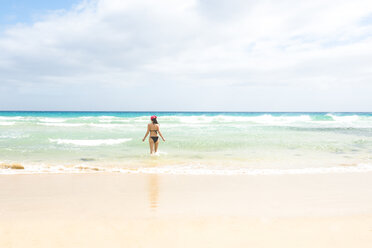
[[153, 129]]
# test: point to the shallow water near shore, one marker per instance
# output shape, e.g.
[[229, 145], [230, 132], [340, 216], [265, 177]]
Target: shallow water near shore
[[196, 143]]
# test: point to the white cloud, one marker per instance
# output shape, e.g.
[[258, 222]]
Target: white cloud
[[212, 55]]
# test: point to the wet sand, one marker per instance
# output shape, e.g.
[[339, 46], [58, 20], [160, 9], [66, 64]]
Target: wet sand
[[119, 210]]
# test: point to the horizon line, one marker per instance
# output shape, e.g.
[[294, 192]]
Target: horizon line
[[182, 111]]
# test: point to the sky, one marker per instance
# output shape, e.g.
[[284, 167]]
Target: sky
[[186, 55], [16, 11]]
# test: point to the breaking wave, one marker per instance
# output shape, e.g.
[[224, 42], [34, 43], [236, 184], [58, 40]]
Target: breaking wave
[[97, 142]]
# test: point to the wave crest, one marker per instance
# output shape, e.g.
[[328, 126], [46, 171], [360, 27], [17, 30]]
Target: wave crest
[[97, 142]]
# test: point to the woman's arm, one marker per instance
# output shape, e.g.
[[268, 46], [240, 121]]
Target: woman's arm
[[147, 133], [160, 133]]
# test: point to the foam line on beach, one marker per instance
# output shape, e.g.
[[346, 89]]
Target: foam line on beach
[[191, 170], [178, 170]]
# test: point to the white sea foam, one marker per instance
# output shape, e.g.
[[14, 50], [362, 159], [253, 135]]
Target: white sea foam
[[86, 117], [351, 121], [187, 170], [266, 119], [303, 120], [53, 120], [62, 124], [107, 117], [97, 142], [14, 136], [114, 120], [141, 121], [344, 118], [108, 125], [4, 123], [201, 170], [159, 153], [11, 118], [260, 119], [269, 119], [99, 125]]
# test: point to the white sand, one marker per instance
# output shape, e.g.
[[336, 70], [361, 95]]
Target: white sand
[[118, 210]]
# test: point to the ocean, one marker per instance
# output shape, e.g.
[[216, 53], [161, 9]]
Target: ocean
[[218, 143]]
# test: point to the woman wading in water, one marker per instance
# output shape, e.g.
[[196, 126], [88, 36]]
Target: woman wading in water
[[153, 128]]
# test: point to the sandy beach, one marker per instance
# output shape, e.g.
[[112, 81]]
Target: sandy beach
[[119, 210], [185, 124]]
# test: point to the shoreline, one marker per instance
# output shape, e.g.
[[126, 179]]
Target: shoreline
[[19, 169]]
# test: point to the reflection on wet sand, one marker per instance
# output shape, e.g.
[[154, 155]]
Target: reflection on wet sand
[[153, 184], [153, 188]]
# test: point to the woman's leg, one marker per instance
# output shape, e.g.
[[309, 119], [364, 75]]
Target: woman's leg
[[156, 146], [151, 143]]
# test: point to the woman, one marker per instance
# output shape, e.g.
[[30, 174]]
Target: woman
[[153, 128]]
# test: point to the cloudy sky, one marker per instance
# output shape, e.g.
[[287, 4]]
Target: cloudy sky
[[186, 55]]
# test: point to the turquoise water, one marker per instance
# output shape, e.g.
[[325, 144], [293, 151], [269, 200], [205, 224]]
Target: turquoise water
[[196, 142]]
